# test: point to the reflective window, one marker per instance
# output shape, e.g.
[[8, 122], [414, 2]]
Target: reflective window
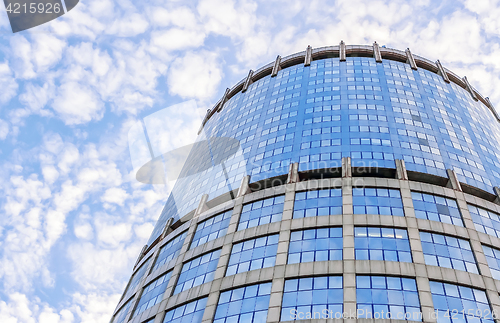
[[318, 202], [244, 305], [382, 244], [171, 250], [493, 258], [138, 275], [198, 271], [445, 251], [152, 293], [313, 297], [379, 295], [315, 245], [383, 201], [470, 304], [261, 212], [122, 313], [253, 254], [189, 313], [211, 229], [485, 221], [436, 208]]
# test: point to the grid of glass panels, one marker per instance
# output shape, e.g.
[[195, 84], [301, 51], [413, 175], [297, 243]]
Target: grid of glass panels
[[384, 297], [211, 229], [318, 202], [436, 208], [261, 212], [493, 258], [253, 254], [136, 277], [485, 221], [383, 201], [171, 250], [460, 304], [191, 312], [371, 112], [382, 244], [315, 245], [244, 305], [312, 297], [445, 251], [122, 313], [152, 293], [198, 271]]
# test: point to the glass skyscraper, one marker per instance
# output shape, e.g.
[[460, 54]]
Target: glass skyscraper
[[339, 182]]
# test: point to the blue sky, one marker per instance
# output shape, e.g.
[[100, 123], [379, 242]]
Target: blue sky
[[72, 217]]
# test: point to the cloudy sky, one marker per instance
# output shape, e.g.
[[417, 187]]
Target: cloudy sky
[[72, 217]]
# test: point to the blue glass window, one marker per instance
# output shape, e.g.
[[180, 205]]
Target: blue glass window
[[198, 271], [436, 208], [379, 295], [315, 245], [382, 244], [138, 275], [465, 304], [253, 254], [445, 251], [318, 202], [152, 293], [313, 297], [493, 258], [261, 212], [383, 201], [171, 250], [191, 312], [244, 305], [485, 221], [211, 229], [122, 313]]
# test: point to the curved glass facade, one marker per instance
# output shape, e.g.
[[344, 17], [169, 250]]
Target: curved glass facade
[[412, 240], [372, 112]]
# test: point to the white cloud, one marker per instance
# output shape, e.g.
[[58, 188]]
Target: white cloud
[[196, 75], [177, 39], [115, 195], [7, 83], [36, 97], [95, 266], [4, 129], [128, 26], [84, 231], [76, 103]]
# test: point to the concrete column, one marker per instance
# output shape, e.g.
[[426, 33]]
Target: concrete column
[[244, 186], [376, 53], [342, 53], [293, 173], [469, 88], [308, 57], [497, 193], [276, 67], [202, 206], [442, 72], [349, 262], [248, 81], [224, 99], [453, 182], [492, 108], [346, 167], [401, 169], [410, 59]]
